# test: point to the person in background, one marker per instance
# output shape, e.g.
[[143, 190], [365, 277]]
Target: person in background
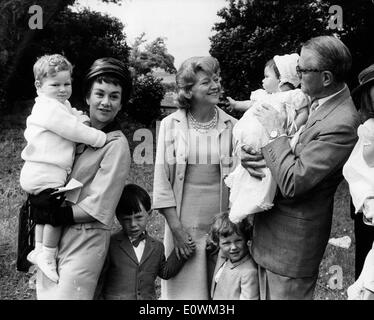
[[359, 167]]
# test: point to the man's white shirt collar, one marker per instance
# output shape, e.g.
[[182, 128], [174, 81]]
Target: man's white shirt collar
[[323, 100]]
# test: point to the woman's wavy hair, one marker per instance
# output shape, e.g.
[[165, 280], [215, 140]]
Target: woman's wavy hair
[[187, 76]]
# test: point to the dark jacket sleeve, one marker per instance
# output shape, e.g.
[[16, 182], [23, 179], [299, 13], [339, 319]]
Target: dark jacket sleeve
[[170, 267], [296, 175]]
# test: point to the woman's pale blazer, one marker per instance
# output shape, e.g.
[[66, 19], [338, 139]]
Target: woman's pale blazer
[[171, 159]]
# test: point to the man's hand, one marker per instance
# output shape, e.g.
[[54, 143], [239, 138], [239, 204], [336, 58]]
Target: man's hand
[[270, 118], [252, 161]]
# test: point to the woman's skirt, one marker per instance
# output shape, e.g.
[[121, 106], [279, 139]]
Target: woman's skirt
[[200, 203]]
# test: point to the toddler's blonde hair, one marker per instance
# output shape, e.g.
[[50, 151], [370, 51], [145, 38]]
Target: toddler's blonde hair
[[49, 65]]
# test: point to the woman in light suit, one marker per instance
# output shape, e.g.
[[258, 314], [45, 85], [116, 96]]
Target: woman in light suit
[[194, 154]]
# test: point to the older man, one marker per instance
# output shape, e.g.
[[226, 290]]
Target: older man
[[290, 239]]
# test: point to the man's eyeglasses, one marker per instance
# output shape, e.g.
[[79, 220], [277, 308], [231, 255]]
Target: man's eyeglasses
[[300, 71]]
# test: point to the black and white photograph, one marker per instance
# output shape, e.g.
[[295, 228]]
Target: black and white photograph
[[193, 151]]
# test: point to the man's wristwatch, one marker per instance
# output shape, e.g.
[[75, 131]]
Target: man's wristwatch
[[276, 134]]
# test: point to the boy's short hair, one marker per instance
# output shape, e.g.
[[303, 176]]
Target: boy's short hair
[[132, 197], [223, 226], [49, 65]]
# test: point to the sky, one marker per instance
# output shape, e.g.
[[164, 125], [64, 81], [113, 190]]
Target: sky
[[186, 24]]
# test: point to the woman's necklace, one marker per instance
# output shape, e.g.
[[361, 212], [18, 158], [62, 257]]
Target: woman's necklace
[[203, 127]]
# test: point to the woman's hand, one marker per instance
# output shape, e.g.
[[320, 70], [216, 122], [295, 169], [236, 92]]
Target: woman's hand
[[47, 199], [183, 243], [59, 216], [252, 161]]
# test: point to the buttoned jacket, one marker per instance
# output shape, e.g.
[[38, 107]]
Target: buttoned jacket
[[171, 158], [125, 278], [238, 280], [290, 239]]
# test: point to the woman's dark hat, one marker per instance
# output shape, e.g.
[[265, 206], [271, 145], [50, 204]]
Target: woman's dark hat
[[365, 77], [108, 65], [114, 67]]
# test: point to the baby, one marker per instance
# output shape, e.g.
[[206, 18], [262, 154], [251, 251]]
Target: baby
[[249, 195]]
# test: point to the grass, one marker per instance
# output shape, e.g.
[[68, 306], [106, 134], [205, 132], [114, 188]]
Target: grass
[[15, 285]]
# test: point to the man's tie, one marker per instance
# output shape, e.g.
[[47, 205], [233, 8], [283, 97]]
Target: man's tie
[[313, 107], [136, 242], [295, 140]]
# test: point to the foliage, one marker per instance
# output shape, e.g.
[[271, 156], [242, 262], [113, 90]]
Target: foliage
[[358, 27], [82, 37], [16, 36], [153, 55], [15, 33], [170, 86], [253, 31], [144, 105]]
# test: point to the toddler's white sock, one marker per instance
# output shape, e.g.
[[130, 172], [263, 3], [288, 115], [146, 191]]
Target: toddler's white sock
[[38, 246], [46, 261], [49, 253]]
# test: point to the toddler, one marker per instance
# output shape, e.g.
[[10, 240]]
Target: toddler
[[135, 259], [51, 132], [249, 195], [235, 275]]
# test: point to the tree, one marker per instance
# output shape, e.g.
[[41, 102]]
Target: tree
[[253, 31], [153, 55], [82, 37], [144, 105], [357, 32], [15, 34]]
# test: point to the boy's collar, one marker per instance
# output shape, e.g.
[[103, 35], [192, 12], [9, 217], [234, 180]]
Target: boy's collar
[[239, 262], [135, 241]]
